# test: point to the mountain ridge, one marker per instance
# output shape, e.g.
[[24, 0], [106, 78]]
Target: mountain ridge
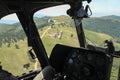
[[111, 17]]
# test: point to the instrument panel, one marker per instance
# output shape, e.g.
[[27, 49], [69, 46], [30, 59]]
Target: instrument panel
[[84, 64]]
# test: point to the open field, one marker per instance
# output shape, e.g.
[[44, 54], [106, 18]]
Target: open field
[[14, 56]]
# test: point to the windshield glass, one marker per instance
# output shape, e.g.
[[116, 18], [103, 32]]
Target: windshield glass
[[13, 47], [55, 27], [104, 24]]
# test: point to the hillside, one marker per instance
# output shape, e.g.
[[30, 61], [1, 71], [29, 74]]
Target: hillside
[[107, 25], [12, 53], [112, 17], [61, 30]]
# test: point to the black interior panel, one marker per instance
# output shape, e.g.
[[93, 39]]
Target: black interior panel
[[80, 63]]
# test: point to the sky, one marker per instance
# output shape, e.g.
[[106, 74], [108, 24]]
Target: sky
[[105, 7], [98, 7]]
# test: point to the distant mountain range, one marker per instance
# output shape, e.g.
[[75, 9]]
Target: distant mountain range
[[112, 17], [16, 21], [13, 40], [107, 24], [8, 21], [39, 15]]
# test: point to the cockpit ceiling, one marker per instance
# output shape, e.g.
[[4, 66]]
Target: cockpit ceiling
[[13, 6]]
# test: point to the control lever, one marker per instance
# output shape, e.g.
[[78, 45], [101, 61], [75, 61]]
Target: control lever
[[111, 49], [116, 54], [46, 74], [31, 55]]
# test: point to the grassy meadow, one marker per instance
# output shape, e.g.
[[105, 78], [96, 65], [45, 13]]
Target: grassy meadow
[[13, 58]]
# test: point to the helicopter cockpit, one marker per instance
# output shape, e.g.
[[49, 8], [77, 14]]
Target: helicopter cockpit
[[74, 57]]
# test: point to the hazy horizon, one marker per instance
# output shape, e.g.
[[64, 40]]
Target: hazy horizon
[[8, 20], [99, 8]]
